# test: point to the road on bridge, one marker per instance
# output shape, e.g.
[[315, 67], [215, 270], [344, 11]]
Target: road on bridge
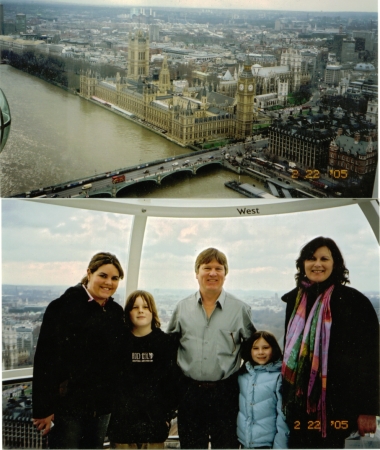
[[102, 184]]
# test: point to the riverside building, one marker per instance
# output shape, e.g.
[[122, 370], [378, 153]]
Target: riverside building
[[357, 156], [189, 118], [18, 428], [192, 117], [308, 140]]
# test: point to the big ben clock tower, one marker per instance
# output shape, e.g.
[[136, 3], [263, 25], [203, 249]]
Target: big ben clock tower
[[245, 94]]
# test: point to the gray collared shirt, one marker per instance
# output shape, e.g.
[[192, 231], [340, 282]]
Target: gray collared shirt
[[209, 348]]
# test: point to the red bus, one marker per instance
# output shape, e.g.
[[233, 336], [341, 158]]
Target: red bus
[[118, 179]]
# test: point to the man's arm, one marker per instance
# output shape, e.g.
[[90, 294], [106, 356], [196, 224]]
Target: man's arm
[[174, 325], [248, 327]]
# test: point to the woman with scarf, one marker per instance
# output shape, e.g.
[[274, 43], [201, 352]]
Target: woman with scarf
[[331, 354]]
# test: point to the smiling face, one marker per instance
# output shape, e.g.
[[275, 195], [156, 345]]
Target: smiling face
[[261, 352], [320, 266], [211, 277], [103, 283], [140, 314]]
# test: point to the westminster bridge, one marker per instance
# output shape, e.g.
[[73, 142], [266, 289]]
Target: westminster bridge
[[116, 183]]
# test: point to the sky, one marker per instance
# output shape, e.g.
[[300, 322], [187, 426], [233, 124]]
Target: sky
[[52, 245], [292, 5]]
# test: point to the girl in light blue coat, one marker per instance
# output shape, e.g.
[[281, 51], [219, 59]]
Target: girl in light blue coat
[[260, 422]]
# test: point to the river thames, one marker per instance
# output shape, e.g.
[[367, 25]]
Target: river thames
[[57, 136]]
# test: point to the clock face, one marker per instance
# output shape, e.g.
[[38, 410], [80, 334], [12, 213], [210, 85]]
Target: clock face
[[250, 87], [241, 87]]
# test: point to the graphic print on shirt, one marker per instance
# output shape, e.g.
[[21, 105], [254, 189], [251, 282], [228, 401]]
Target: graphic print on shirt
[[142, 357]]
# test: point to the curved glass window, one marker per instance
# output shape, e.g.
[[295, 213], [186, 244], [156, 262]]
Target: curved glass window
[[261, 253], [5, 120], [46, 249]]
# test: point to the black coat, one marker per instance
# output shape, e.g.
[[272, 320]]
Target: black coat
[[148, 390], [77, 356], [353, 356]]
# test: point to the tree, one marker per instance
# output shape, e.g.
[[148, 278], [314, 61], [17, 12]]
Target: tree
[[302, 95]]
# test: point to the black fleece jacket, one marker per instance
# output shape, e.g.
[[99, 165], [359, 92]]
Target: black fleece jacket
[[353, 356], [78, 356]]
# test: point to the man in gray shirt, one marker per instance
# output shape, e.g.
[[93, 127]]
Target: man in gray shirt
[[211, 325]]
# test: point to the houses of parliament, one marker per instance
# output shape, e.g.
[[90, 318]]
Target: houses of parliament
[[193, 117]]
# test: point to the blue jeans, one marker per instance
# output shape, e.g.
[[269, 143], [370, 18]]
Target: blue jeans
[[78, 432]]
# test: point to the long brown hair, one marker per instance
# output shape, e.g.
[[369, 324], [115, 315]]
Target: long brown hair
[[149, 299], [100, 259], [267, 336]]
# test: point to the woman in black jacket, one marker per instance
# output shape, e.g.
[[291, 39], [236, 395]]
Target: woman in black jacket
[[331, 354], [147, 396], [76, 356]]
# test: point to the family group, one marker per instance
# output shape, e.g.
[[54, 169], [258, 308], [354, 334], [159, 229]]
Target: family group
[[101, 370]]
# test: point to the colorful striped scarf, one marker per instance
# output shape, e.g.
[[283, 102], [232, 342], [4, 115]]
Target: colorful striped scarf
[[304, 368]]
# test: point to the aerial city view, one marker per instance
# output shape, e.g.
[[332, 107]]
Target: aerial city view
[[203, 101]]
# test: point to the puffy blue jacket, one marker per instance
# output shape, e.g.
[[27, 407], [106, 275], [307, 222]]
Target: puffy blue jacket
[[260, 420]]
